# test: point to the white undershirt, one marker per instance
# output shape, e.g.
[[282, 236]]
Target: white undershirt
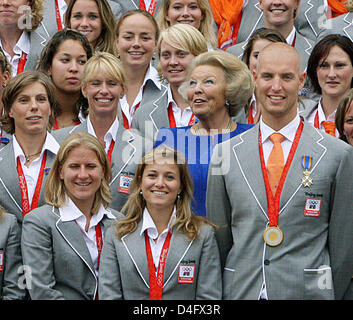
[[156, 241]]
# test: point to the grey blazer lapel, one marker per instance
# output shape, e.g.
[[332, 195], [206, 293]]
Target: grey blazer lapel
[[252, 13], [123, 151], [134, 244], [7, 162], [309, 145], [72, 234], [247, 156], [348, 29], [159, 115]]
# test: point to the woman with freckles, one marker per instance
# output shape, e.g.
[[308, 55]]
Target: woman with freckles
[[62, 240], [160, 250], [29, 105], [217, 87]]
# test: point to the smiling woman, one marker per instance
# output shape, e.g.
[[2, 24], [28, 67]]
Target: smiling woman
[[136, 38], [29, 105], [216, 87], [160, 232], [95, 20], [62, 240]]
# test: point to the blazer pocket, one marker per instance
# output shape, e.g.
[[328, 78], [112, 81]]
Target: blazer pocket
[[228, 282], [318, 284]]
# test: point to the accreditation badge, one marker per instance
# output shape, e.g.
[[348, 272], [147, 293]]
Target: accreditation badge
[[186, 274], [124, 183], [312, 207]]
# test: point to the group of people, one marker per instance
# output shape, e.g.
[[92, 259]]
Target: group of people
[[139, 160]]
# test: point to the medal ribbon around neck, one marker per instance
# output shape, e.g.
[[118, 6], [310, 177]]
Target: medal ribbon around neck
[[273, 201]]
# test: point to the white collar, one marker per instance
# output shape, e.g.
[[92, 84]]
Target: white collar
[[111, 133], [70, 212], [322, 116], [287, 131], [50, 144], [149, 225], [291, 36], [152, 74]]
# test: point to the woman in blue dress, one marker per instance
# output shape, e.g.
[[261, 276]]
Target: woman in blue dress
[[217, 86]]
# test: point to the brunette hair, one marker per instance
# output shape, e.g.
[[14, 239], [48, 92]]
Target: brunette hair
[[50, 50], [320, 53], [106, 40], [341, 111], [15, 86]]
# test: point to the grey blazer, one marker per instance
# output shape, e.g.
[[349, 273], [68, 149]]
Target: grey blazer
[[310, 19], [10, 191], [342, 24], [61, 265], [152, 114], [127, 5], [313, 247], [302, 44], [38, 39], [123, 272], [10, 248], [127, 153]]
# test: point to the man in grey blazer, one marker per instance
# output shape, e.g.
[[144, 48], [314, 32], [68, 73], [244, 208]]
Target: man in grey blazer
[[309, 254], [128, 150], [262, 13]]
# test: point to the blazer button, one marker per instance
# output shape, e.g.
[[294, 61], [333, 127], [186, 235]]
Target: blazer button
[[267, 262]]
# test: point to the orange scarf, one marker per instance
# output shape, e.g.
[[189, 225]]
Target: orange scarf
[[337, 7], [227, 14]]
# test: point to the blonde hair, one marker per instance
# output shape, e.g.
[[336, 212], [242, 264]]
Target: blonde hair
[[55, 191], [239, 81], [206, 25], [186, 221], [110, 65], [182, 37]]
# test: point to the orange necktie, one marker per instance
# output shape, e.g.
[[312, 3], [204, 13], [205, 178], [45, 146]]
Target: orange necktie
[[275, 162], [329, 127]]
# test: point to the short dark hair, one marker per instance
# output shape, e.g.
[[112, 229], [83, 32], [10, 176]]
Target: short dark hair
[[321, 51], [261, 33]]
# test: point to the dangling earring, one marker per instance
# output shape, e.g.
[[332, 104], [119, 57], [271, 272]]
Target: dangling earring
[[178, 196]]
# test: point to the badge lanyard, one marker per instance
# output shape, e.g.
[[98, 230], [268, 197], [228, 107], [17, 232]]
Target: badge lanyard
[[22, 63], [156, 283], [56, 124], [172, 122], [152, 7], [125, 120], [110, 151], [273, 201], [24, 190], [58, 18]]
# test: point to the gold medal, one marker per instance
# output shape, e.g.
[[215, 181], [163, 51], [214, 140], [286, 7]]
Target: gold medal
[[273, 236]]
